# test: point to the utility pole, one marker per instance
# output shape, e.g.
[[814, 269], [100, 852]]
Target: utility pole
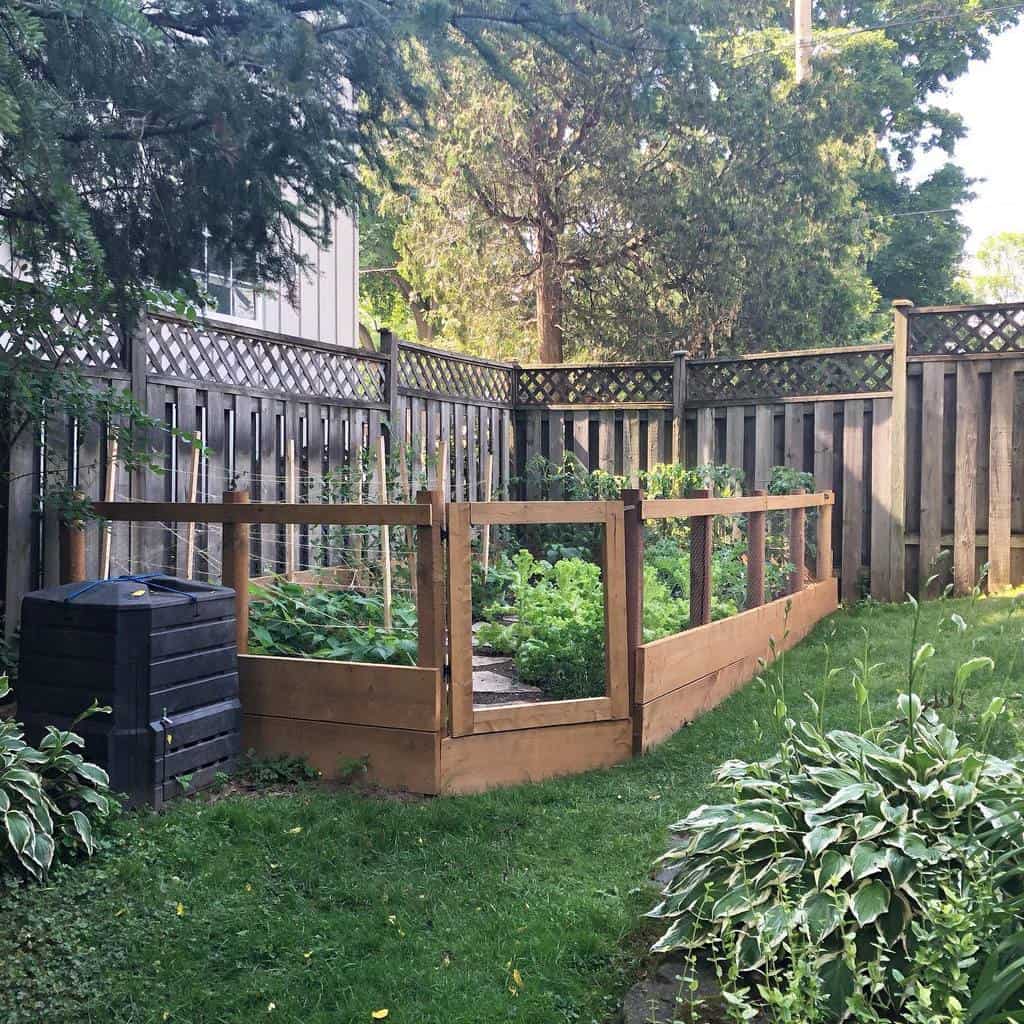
[[802, 31]]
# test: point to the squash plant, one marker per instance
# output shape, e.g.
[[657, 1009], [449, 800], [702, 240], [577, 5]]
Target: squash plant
[[50, 797]]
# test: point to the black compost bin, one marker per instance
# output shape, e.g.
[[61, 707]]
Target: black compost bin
[[158, 650]]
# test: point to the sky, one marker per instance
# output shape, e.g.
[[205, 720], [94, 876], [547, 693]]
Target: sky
[[989, 98]]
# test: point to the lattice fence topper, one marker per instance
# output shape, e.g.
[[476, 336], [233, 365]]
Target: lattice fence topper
[[614, 384], [74, 339], [208, 352], [968, 331], [723, 381], [453, 377]]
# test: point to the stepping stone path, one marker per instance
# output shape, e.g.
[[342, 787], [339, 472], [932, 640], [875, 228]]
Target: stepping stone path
[[495, 682]]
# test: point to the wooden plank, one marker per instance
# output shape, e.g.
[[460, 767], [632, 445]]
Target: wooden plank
[[459, 438], [556, 450], [391, 696], [764, 443], [655, 439], [705, 436], [631, 447], [824, 440], [476, 442], [534, 450], [267, 486], [932, 396], [794, 436], [881, 498], [615, 637], [965, 515], [508, 717], [661, 718], [430, 581], [823, 568], [678, 508], [20, 576], [431, 441], [395, 758], [521, 512], [280, 512], [1000, 478], [665, 665], [734, 426], [606, 441], [460, 619], [853, 497], [473, 764], [581, 437], [898, 447]]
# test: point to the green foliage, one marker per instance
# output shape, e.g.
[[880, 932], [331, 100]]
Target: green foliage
[[892, 856], [341, 625], [1000, 273], [786, 480], [495, 586], [51, 798], [282, 770]]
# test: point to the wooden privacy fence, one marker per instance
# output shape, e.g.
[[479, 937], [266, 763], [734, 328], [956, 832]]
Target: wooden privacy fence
[[920, 439], [417, 727]]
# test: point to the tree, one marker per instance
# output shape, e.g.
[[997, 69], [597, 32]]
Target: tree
[[999, 273], [709, 203], [133, 135]]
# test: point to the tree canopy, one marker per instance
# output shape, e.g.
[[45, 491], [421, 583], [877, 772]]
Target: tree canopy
[[998, 273], [685, 192]]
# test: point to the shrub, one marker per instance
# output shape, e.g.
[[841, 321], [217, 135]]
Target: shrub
[[874, 854], [342, 625], [50, 797]]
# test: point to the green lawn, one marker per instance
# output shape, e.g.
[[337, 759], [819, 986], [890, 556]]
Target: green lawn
[[320, 907]]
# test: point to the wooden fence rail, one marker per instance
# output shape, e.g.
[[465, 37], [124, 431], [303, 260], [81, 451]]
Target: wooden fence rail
[[921, 440]]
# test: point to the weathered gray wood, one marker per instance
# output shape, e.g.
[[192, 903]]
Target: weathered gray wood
[[881, 498], [932, 397], [853, 497], [606, 441], [966, 510], [655, 442], [556, 448], [794, 437], [461, 445], [824, 446], [734, 425], [1000, 453], [631, 447], [705, 436], [581, 437], [764, 443]]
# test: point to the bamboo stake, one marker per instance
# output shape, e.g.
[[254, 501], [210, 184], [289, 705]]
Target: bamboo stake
[[385, 531], [290, 490], [193, 493], [109, 492], [485, 548]]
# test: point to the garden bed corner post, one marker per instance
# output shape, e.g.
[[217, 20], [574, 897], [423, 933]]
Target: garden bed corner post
[[235, 570], [633, 524], [430, 584], [701, 539], [756, 526]]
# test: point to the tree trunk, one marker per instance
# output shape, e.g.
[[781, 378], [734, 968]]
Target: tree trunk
[[550, 305]]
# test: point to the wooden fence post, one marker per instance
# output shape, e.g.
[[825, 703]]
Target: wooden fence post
[[701, 530], [633, 528], [235, 567], [390, 347], [430, 584], [756, 528], [72, 552], [898, 441], [823, 570], [797, 546], [678, 407]]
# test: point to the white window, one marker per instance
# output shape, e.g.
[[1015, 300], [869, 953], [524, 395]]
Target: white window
[[230, 290]]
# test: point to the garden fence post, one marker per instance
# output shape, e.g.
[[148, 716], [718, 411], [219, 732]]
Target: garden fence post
[[235, 570], [430, 583], [390, 346], [678, 407], [633, 526], [72, 552], [823, 569], [898, 440], [756, 523], [701, 529], [797, 546]]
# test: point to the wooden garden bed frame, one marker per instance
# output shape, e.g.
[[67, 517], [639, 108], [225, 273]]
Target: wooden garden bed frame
[[417, 730]]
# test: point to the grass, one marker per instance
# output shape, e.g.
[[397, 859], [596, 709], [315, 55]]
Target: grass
[[322, 907]]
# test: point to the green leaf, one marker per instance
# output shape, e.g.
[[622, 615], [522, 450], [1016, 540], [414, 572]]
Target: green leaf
[[19, 830], [821, 837], [867, 859], [823, 916], [870, 901], [93, 773], [84, 829]]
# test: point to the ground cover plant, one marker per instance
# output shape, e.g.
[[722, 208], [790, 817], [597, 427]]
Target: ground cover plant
[[329, 906]]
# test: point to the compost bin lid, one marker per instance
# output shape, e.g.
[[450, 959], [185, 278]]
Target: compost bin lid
[[152, 590]]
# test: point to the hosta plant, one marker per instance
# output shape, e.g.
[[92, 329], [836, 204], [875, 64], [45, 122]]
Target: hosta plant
[[845, 844], [50, 798]]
